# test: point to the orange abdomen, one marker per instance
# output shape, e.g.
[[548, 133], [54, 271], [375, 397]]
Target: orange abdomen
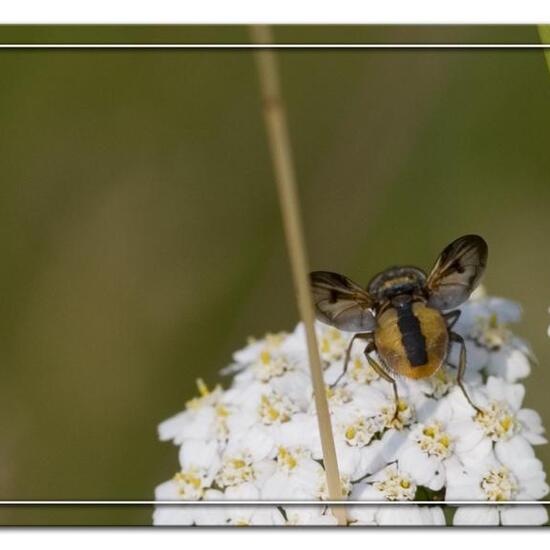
[[413, 340]]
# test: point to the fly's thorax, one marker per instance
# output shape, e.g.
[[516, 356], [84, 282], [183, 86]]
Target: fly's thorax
[[411, 338], [397, 281]]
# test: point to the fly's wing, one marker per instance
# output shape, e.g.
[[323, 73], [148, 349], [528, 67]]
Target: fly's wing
[[341, 303], [457, 272]]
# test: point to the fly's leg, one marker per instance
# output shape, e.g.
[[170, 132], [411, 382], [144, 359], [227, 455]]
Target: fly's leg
[[362, 335], [452, 317], [462, 367], [383, 374]]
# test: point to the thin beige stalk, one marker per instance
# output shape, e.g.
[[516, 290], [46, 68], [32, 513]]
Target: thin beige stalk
[[279, 144]]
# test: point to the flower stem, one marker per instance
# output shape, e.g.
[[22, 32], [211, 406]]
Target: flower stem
[[279, 144]]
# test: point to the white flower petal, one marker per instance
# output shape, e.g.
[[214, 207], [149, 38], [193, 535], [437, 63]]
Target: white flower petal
[[170, 428], [173, 515], [418, 465], [477, 356], [266, 516], [524, 515], [510, 364], [211, 515], [393, 442], [476, 515], [514, 452], [309, 515], [256, 442], [410, 516], [371, 459], [167, 491], [200, 454], [362, 515]]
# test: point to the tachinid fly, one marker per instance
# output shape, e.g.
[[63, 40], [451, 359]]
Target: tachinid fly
[[405, 315]]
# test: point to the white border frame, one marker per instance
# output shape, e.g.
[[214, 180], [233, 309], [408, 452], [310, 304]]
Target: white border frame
[[354, 12], [245, 46], [241, 46]]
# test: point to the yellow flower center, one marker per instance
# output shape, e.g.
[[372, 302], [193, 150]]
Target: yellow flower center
[[361, 371], [202, 387], [361, 431], [287, 459], [396, 486], [499, 484], [205, 395], [332, 344], [235, 470], [275, 409], [270, 365], [497, 421], [489, 333], [189, 484], [405, 415], [222, 411], [434, 441]]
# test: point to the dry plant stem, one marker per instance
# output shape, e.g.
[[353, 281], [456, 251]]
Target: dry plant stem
[[279, 143]]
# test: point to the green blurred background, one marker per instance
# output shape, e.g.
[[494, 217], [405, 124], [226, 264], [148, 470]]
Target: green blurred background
[[141, 239]]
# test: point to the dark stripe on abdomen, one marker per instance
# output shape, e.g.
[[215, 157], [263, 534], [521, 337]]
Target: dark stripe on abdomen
[[412, 338]]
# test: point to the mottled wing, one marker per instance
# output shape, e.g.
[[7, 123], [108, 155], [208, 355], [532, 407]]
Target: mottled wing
[[341, 303], [457, 272]]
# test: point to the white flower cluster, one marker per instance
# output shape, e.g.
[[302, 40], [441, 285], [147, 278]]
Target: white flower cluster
[[259, 439]]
